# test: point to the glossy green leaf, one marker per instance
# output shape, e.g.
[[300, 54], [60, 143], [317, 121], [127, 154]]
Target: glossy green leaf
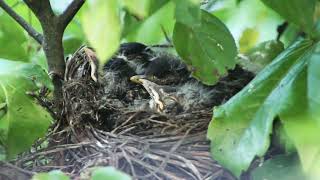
[[241, 128], [110, 173], [12, 39], [207, 47], [187, 11], [23, 120], [139, 8], [301, 116], [284, 167], [295, 11], [101, 24], [150, 31], [52, 175]]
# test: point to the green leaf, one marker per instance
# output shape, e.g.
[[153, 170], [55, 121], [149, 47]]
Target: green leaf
[[250, 22], [241, 127], [2, 154], [131, 24], [156, 5], [39, 57], [101, 24], [73, 36], [139, 8], [248, 39], [150, 30], [12, 39], [71, 43], [207, 47], [52, 175], [110, 173], [284, 167], [295, 11], [300, 115], [24, 120], [187, 11], [24, 11], [261, 55]]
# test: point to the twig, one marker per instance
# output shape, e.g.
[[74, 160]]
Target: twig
[[31, 31], [166, 35], [17, 168], [70, 12]]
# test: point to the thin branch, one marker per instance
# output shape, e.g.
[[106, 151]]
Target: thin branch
[[16, 168], [31, 31], [70, 12]]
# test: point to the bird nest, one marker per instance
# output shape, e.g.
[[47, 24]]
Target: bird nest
[[96, 131]]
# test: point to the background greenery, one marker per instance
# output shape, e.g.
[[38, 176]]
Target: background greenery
[[211, 38]]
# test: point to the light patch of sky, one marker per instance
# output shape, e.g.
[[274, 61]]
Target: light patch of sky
[[58, 5]]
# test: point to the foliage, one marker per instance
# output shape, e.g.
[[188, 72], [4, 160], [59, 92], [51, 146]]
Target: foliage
[[12, 37], [101, 27], [284, 167], [287, 88], [261, 55], [52, 175], [242, 126], [250, 22], [295, 11], [22, 120], [207, 47], [139, 8], [151, 29], [101, 173], [96, 173], [206, 37], [192, 27]]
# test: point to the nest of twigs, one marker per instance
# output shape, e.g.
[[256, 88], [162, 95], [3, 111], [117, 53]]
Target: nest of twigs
[[96, 131]]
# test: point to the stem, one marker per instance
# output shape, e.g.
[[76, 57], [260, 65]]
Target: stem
[[52, 42], [53, 48]]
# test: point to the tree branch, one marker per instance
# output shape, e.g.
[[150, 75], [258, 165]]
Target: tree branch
[[31, 31], [41, 8], [70, 12], [52, 41]]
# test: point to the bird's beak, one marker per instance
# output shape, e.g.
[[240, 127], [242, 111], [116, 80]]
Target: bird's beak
[[138, 78]]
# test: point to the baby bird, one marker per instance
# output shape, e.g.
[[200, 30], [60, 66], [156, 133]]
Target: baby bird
[[131, 59], [160, 82]]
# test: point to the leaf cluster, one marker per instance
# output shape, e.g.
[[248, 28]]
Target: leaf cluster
[[285, 91]]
